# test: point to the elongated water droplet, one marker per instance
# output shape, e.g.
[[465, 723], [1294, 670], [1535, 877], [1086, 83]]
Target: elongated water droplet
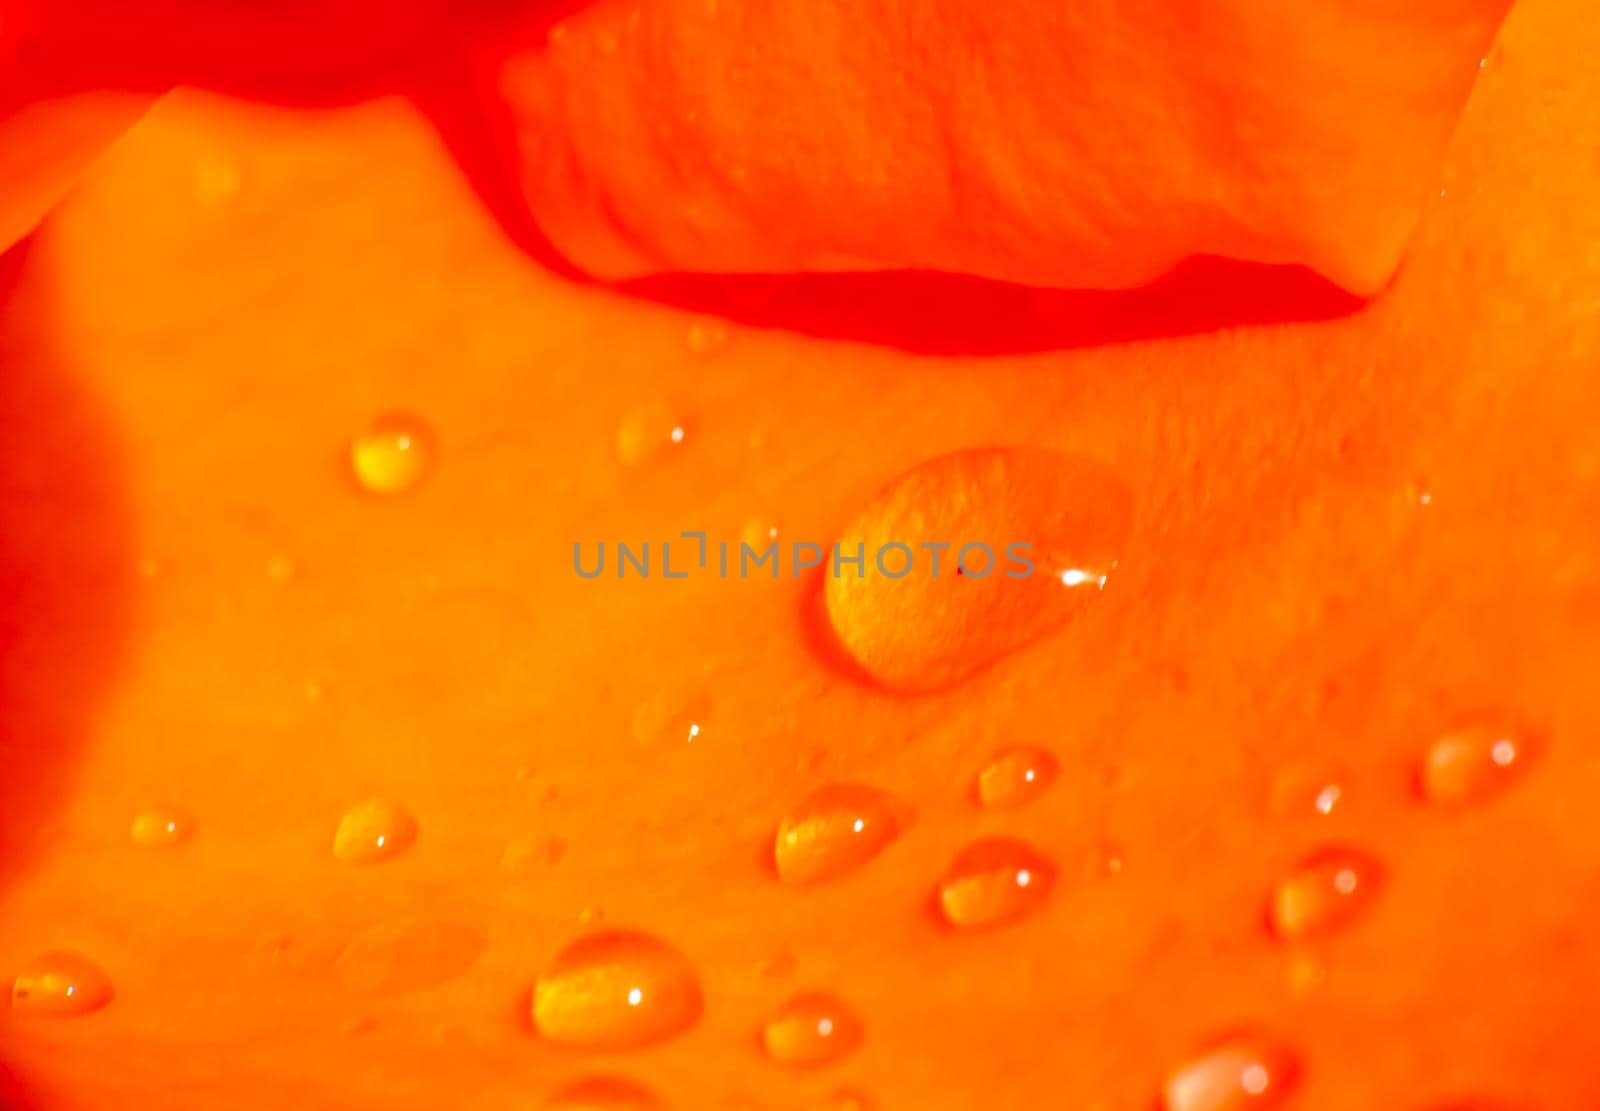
[[1033, 534], [1471, 765], [406, 955], [994, 881], [60, 985], [374, 831], [617, 990], [603, 1093], [1015, 777], [811, 1030], [159, 827], [1240, 1073], [651, 431], [393, 455], [845, 1099], [1326, 892], [835, 830]]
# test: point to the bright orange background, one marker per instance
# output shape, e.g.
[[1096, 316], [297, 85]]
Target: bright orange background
[[209, 613]]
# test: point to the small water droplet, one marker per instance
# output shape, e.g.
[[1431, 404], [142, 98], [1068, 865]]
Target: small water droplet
[[280, 569], [1108, 861], [650, 432], [533, 850], [616, 990], [673, 719], [835, 830], [60, 985], [759, 533], [778, 965], [1308, 788], [216, 180], [911, 629], [811, 1030], [706, 336], [1015, 777], [1306, 974], [1241, 1073], [161, 826], [603, 1093], [994, 881], [845, 1099], [374, 831], [1471, 765], [400, 956], [393, 455], [1326, 892]]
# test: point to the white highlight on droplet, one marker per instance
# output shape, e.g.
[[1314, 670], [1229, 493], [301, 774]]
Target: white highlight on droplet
[[1327, 799]]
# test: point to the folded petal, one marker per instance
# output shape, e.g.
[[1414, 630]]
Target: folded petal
[[1095, 143]]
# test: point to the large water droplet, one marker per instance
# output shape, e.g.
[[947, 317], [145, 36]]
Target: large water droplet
[[603, 1093], [993, 881], [835, 830], [159, 827], [393, 455], [1326, 892], [60, 985], [406, 955], [374, 831], [1241, 1073], [1015, 777], [1031, 537], [1471, 765], [619, 989], [811, 1030]]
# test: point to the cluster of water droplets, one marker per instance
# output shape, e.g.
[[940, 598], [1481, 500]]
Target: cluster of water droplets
[[616, 990]]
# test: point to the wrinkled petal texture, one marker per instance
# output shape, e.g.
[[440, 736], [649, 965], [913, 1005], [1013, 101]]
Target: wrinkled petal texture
[[1092, 144]]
